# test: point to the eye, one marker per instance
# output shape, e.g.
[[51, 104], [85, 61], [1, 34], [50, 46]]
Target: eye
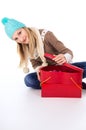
[[16, 39], [19, 32]]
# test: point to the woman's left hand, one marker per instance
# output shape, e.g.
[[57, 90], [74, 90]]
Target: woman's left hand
[[60, 59]]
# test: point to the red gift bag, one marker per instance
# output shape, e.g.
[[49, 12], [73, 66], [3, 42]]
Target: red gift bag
[[61, 81]]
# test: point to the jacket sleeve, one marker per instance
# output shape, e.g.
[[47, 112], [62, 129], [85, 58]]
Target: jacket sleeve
[[56, 44], [36, 62]]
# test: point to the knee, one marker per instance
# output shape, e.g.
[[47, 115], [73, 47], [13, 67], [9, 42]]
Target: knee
[[31, 80], [27, 80]]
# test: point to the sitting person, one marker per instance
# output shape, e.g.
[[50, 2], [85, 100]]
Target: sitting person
[[32, 43]]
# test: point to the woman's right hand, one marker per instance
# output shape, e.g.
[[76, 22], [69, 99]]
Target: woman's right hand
[[38, 74]]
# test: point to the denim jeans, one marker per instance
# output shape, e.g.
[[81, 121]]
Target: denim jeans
[[32, 81], [81, 65]]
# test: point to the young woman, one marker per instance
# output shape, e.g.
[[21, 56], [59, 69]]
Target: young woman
[[32, 43]]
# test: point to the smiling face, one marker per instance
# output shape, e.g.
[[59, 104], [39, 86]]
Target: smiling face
[[21, 36]]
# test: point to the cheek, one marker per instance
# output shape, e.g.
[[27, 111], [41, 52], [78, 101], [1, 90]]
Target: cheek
[[25, 34], [19, 40]]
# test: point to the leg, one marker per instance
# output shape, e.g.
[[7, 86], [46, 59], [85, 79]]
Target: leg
[[32, 81], [83, 66]]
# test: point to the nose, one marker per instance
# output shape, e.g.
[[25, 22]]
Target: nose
[[21, 38]]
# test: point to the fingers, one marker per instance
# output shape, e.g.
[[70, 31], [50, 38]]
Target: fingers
[[38, 72], [60, 59], [38, 75]]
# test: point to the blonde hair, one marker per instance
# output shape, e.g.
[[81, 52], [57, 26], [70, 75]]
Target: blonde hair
[[26, 51]]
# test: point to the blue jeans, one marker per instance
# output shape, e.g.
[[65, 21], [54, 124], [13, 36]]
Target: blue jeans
[[32, 81], [81, 65]]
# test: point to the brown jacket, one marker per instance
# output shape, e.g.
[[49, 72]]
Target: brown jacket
[[53, 46]]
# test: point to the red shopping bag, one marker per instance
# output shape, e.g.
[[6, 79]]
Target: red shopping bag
[[61, 81]]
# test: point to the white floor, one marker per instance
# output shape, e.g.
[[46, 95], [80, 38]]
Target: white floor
[[22, 108]]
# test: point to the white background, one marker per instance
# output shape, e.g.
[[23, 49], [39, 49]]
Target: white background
[[22, 108]]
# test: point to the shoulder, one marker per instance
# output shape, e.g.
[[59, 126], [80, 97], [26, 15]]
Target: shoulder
[[43, 33]]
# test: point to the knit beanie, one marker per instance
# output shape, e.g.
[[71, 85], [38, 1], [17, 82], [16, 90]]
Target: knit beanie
[[11, 25]]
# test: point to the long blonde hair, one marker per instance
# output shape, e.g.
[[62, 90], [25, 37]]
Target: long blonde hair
[[26, 51]]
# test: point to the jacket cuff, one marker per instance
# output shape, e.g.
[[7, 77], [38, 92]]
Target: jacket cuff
[[68, 57]]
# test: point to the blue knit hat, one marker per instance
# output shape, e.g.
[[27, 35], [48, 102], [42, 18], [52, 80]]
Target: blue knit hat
[[11, 25]]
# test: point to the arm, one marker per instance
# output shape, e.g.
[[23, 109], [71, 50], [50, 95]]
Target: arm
[[37, 65], [62, 53], [36, 62]]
